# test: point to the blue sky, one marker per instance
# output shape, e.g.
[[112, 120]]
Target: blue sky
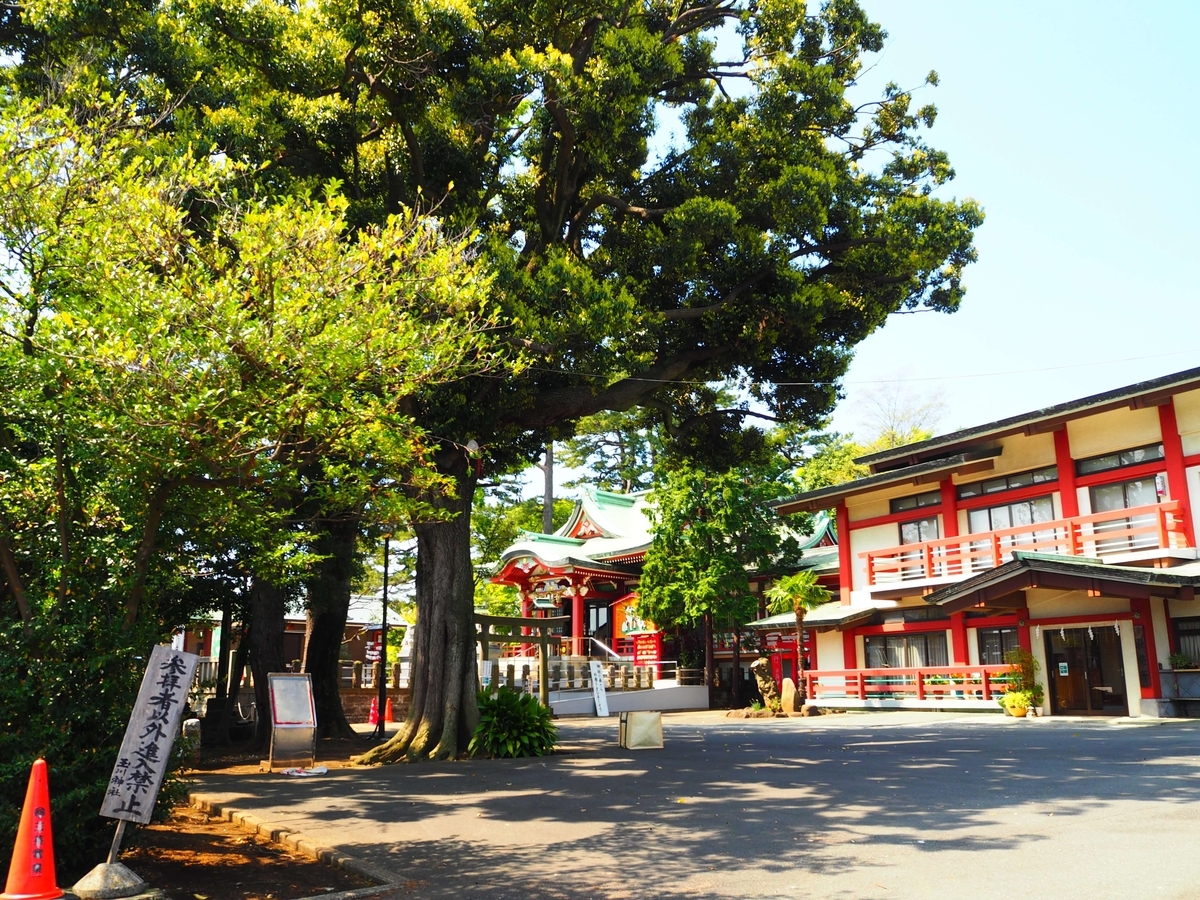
[[1074, 125]]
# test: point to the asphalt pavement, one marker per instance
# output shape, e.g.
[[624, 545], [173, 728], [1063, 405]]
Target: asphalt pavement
[[886, 805]]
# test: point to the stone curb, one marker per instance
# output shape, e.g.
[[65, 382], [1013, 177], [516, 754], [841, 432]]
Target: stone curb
[[294, 840]]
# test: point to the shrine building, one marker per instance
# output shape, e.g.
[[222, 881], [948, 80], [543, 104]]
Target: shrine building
[[1068, 531], [587, 569]]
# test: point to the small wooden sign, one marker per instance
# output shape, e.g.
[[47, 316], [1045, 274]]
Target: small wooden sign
[[150, 735], [598, 688]]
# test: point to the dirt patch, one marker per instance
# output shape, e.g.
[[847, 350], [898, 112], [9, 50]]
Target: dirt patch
[[198, 857], [195, 856]]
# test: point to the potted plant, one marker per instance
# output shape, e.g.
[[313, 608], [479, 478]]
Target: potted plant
[[1023, 692], [1017, 703]]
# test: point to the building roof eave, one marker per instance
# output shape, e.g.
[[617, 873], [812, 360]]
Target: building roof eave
[[1143, 393]]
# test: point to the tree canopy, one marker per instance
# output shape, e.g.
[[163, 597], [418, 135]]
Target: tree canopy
[[664, 195]]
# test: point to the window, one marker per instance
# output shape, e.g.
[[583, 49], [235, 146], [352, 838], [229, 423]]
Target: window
[[929, 498], [915, 614], [1119, 460], [1187, 633], [1124, 495], [919, 531], [1008, 482], [902, 651], [1010, 515], [994, 643]]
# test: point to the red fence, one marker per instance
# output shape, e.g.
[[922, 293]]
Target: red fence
[[921, 683], [1159, 525]]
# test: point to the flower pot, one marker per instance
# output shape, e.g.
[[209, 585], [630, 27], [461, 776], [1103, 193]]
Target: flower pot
[[1018, 711]]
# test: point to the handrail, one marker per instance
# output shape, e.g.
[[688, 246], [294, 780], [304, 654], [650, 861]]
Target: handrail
[[611, 652], [967, 553]]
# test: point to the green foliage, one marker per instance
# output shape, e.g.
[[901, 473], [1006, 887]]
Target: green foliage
[[710, 532], [797, 593], [1181, 661], [1023, 685], [512, 724], [192, 375], [617, 449], [830, 461], [68, 702]]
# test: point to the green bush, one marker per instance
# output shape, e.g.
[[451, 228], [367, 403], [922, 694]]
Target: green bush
[[513, 724], [66, 691], [1023, 688]]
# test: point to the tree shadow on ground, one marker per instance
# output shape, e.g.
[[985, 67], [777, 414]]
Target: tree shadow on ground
[[784, 801]]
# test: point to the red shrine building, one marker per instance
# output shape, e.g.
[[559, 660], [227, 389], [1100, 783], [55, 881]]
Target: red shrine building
[[587, 570], [1068, 531]]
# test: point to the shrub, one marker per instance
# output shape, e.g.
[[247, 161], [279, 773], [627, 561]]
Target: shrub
[[66, 692], [511, 724], [1022, 683], [1181, 661]]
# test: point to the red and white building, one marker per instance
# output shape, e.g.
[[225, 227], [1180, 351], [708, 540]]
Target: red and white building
[[1068, 531]]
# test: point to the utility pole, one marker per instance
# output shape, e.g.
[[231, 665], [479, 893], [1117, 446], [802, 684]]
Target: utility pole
[[381, 726]]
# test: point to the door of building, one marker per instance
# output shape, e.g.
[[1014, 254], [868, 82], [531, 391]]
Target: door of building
[[1087, 673]]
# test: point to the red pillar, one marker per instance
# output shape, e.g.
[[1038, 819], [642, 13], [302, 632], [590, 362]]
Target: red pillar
[[1023, 630], [949, 509], [845, 562], [526, 613], [958, 633], [1142, 617], [1176, 474], [849, 650], [1066, 474], [577, 624]]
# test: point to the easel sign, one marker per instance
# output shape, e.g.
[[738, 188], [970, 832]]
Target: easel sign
[[293, 721]]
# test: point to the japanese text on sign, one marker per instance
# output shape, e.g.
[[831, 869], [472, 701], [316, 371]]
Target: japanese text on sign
[[146, 749]]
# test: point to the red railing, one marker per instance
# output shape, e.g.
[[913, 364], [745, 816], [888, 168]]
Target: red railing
[[1157, 526], [922, 683]]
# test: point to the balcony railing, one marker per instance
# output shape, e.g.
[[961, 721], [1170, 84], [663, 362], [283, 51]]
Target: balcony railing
[[950, 685], [1157, 526]]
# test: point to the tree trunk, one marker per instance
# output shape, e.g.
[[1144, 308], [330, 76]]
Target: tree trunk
[[328, 605], [443, 713], [548, 492], [268, 602], [235, 688]]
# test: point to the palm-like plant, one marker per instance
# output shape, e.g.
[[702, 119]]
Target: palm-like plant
[[799, 593]]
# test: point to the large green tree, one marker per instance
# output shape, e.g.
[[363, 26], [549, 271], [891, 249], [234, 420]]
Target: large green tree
[[666, 192], [175, 355]]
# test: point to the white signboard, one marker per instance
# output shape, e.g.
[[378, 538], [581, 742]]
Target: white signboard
[[149, 736], [598, 688], [293, 720], [485, 672]]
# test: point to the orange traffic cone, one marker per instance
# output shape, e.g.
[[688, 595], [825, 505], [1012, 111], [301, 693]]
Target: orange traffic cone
[[31, 875], [373, 718], [388, 715]]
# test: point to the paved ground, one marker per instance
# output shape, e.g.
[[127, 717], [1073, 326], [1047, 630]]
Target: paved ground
[[868, 805]]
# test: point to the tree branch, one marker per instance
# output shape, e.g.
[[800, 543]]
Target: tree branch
[[13, 577], [696, 312], [154, 513]]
